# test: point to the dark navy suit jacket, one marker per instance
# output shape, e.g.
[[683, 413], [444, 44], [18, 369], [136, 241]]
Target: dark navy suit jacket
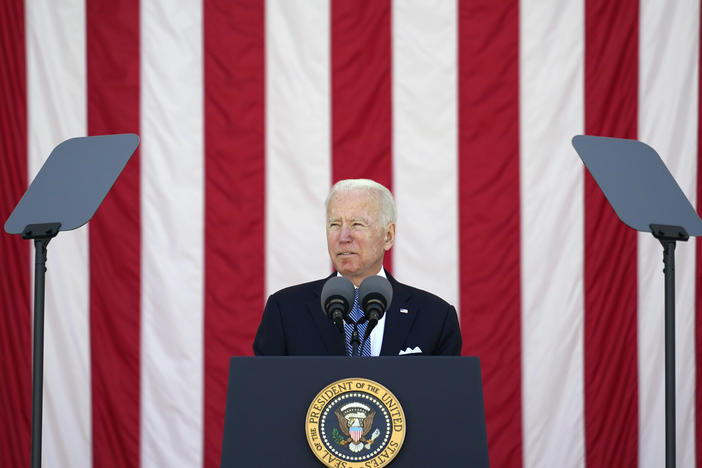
[[293, 323]]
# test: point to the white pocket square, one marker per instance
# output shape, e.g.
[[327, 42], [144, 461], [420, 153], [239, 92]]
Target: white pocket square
[[416, 350]]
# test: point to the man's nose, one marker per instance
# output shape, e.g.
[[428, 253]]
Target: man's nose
[[345, 234]]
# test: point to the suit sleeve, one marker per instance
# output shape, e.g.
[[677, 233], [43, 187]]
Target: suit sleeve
[[450, 342], [270, 338]]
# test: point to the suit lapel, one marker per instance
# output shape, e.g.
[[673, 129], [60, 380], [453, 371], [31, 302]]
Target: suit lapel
[[397, 324], [331, 338]]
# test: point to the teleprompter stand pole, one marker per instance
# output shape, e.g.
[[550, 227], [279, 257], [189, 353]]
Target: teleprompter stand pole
[[41, 234], [668, 235]]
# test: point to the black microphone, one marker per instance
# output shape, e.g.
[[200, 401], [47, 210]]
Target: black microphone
[[337, 300], [375, 295]]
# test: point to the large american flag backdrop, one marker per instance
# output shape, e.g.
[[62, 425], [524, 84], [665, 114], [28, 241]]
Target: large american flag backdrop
[[249, 110]]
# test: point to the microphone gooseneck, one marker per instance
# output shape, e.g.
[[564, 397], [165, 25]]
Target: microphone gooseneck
[[355, 341], [337, 300]]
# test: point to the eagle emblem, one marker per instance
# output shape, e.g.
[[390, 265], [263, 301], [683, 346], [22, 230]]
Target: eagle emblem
[[355, 422]]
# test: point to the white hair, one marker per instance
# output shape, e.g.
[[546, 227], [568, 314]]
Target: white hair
[[388, 213]]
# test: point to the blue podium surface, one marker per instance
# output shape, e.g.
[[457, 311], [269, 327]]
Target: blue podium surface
[[268, 399]]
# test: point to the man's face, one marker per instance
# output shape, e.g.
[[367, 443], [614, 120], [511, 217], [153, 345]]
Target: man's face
[[355, 238]]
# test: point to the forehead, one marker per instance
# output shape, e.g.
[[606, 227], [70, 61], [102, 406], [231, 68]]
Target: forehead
[[353, 204]]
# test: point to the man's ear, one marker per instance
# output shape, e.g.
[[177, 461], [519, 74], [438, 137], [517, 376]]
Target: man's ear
[[389, 239]]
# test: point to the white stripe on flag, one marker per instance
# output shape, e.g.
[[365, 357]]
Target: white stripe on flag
[[668, 122], [425, 145], [56, 97], [172, 233], [298, 163], [551, 112]]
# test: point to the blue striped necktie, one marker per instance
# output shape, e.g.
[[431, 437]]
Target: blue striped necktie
[[356, 315]]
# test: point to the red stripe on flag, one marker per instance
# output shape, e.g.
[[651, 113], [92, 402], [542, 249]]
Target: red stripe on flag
[[361, 79], [361, 87], [234, 197], [698, 271], [112, 37], [15, 318], [611, 378], [488, 144]]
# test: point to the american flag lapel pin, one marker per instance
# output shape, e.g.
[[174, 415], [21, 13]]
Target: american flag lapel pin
[[403, 311]]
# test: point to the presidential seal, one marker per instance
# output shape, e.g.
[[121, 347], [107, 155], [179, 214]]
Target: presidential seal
[[355, 423]]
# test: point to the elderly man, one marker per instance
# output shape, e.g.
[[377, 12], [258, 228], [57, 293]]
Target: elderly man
[[360, 229]]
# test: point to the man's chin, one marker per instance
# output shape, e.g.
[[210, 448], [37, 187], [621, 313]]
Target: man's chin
[[346, 269]]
